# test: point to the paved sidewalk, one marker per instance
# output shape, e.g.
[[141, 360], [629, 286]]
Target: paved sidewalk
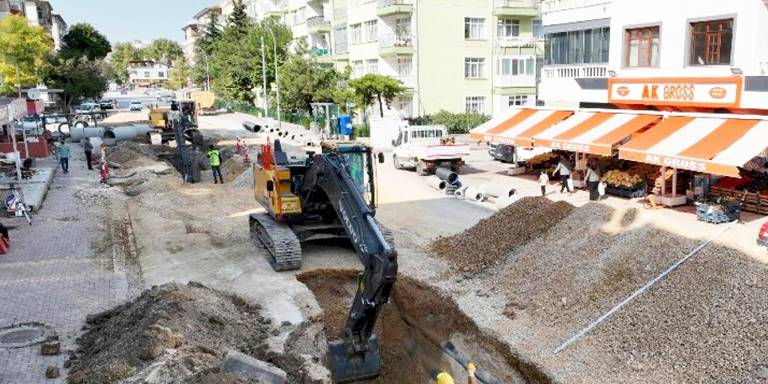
[[58, 271]]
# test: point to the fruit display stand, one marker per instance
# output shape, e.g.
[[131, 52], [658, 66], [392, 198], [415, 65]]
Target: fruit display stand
[[751, 201]]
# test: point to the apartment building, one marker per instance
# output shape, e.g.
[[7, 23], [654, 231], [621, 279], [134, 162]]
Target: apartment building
[[199, 21], [696, 55], [39, 13], [147, 73]]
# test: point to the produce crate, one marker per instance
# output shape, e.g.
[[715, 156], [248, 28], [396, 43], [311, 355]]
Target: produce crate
[[718, 214], [626, 193]]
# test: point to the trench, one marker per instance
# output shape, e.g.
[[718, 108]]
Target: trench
[[410, 329]]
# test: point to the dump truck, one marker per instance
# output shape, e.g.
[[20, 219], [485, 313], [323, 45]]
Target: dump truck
[[425, 148], [329, 195]]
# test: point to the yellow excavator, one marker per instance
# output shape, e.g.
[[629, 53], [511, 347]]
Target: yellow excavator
[[160, 119], [329, 195]]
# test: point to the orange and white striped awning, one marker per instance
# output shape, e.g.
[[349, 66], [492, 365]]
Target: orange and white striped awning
[[518, 126], [702, 144], [594, 132]]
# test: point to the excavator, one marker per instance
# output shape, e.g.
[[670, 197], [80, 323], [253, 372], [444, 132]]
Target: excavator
[[329, 195]]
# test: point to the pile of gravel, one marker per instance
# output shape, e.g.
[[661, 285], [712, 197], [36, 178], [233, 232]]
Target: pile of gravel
[[245, 180], [175, 331], [488, 242]]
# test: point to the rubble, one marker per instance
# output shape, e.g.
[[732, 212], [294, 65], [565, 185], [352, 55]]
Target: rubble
[[485, 244]]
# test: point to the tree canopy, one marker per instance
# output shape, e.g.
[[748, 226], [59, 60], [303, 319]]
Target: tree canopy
[[122, 54], [22, 46], [163, 50], [180, 74], [83, 40], [80, 78], [373, 87], [238, 19], [304, 81]]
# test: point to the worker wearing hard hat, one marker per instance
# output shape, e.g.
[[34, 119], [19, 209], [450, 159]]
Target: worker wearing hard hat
[[445, 378]]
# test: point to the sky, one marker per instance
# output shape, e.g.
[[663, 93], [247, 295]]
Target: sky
[[126, 20]]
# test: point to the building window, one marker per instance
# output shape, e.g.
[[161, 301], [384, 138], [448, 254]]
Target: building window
[[404, 66], [475, 104], [357, 33], [373, 66], [474, 28], [643, 47], [403, 26], [474, 67], [711, 42], [538, 31], [405, 106], [517, 100], [588, 46], [508, 28], [513, 66], [371, 30], [357, 68], [146, 75], [161, 74], [301, 14]]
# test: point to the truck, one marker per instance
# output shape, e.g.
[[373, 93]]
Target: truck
[[425, 148]]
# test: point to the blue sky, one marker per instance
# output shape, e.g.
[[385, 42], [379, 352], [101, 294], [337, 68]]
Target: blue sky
[[125, 20]]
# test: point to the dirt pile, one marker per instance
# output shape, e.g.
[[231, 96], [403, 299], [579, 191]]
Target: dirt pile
[[233, 168], [126, 152], [492, 239], [174, 333], [245, 180], [411, 328]]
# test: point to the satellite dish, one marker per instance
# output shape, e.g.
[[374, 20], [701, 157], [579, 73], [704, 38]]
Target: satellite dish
[[33, 94]]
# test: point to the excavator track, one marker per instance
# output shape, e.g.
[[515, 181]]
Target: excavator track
[[278, 238]]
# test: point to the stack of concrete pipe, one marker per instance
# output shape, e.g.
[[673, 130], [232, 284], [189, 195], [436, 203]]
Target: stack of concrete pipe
[[445, 181], [109, 135]]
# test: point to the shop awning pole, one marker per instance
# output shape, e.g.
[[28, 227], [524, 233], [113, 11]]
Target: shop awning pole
[[663, 181], [674, 182]]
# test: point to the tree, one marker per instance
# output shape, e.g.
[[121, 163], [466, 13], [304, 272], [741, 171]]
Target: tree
[[122, 54], [80, 78], [304, 81], [163, 50], [238, 20], [210, 34], [180, 74], [23, 47], [372, 87], [83, 40]]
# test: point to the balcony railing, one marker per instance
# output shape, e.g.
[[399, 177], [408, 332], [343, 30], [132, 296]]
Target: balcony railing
[[516, 41], [573, 72], [387, 3], [517, 3], [408, 81], [561, 5], [320, 52], [316, 21], [339, 13], [396, 40], [515, 81]]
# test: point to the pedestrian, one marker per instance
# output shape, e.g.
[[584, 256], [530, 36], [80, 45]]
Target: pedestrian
[[63, 153], [564, 168], [593, 179], [88, 153], [445, 377], [104, 164], [543, 181], [214, 157]]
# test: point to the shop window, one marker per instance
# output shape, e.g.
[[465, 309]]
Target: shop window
[[643, 47], [711, 42]]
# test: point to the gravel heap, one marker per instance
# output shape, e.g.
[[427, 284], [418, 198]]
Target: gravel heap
[[233, 168], [245, 180], [126, 151], [174, 332], [488, 242]]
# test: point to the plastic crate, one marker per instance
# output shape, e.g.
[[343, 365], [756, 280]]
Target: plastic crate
[[629, 194]]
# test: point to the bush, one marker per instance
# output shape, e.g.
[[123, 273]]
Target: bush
[[457, 123], [362, 131]]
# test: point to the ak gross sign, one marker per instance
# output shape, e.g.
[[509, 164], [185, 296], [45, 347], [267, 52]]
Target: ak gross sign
[[720, 92]]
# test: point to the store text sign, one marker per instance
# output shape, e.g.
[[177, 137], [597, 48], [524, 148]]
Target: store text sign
[[721, 92], [691, 164]]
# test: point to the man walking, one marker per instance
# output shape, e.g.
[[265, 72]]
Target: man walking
[[63, 154], [88, 153], [214, 157], [564, 168]]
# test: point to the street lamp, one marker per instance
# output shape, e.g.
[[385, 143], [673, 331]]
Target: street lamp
[[277, 77]]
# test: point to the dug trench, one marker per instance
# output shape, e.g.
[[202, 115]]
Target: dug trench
[[412, 326]]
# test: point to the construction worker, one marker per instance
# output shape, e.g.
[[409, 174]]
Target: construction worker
[[214, 157], [445, 377]]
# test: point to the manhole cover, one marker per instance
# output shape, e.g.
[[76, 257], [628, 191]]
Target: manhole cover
[[23, 335]]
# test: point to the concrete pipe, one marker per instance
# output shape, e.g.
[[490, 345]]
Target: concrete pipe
[[461, 192], [437, 184], [253, 127], [473, 194], [447, 175], [110, 135], [497, 190]]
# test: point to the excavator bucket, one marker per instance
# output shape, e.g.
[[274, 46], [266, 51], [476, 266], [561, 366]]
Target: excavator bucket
[[348, 366]]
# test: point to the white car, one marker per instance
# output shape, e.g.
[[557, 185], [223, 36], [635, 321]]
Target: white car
[[136, 106], [87, 108]]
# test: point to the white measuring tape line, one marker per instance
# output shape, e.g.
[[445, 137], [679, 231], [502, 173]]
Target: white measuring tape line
[[642, 289]]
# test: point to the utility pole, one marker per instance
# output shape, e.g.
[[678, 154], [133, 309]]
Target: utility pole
[[277, 79], [207, 72], [264, 77], [18, 80]]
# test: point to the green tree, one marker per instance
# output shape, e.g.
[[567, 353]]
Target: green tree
[[373, 88], [80, 78], [83, 40], [180, 74], [304, 81], [210, 34], [238, 20], [122, 54], [163, 50], [23, 47]]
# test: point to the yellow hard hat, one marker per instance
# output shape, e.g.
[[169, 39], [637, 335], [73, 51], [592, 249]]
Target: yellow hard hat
[[444, 378]]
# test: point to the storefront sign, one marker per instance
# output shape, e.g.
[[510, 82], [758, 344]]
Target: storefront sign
[[722, 92], [696, 165]]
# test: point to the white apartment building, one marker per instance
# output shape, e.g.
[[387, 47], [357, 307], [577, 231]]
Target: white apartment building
[[39, 13], [193, 27], [147, 73], [684, 55]]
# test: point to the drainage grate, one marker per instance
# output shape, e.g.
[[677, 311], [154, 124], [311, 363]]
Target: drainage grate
[[23, 335]]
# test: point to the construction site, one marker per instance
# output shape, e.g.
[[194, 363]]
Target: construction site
[[529, 289]]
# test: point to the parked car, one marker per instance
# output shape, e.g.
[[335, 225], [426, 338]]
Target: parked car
[[136, 106], [105, 104], [87, 108]]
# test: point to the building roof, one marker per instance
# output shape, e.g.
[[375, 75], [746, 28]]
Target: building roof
[[207, 10]]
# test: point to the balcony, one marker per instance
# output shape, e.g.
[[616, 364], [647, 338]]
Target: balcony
[[516, 8], [514, 81], [340, 15], [394, 7], [318, 24], [574, 72], [408, 81], [395, 45], [322, 55], [548, 6]]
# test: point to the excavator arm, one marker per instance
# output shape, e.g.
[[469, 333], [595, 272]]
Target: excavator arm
[[356, 356]]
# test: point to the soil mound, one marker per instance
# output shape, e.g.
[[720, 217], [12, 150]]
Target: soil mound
[[492, 239], [127, 151], [174, 332], [233, 168]]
